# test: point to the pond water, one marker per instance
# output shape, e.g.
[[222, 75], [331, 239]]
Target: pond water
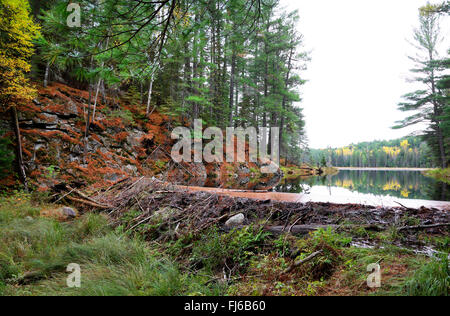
[[369, 186]]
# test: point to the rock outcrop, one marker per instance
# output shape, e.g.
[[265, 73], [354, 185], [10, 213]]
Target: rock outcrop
[[122, 142]]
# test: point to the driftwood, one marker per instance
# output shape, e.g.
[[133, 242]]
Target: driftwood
[[299, 263]]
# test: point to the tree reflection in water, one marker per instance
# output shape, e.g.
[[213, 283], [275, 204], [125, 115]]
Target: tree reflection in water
[[402, 184]]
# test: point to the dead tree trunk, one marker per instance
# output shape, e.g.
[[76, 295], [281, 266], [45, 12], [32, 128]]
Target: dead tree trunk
[[47, 70], [19, 152], [150, 91], [232, 80], [88, 124]]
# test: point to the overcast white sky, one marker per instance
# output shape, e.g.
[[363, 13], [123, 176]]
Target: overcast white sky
[[359, 67]]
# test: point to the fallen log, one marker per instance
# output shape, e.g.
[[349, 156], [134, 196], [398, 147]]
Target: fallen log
[[28, 278], [305, 229], [96, 205], [297, 229], [84, 196], [423, 227]]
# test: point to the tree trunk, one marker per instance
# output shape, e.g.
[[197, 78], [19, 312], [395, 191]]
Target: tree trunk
[[88, 124], [141, 89], [437, 113], [19, 152], [195, 83], [95, 101], [47, 70], [283, 104], [266, 93], [266, 87], [441, 147], [150, 91], [232, 79], [187, 73]]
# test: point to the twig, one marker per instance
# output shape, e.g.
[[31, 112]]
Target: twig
[[296, 221], [139, 204], [96, 205], [407, 208], [141, 222], [84, 196], [64, 196], [299, 263], [176, 162], [287, 220]]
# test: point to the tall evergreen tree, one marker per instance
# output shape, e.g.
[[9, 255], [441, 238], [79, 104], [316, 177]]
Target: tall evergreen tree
[[428, 104]]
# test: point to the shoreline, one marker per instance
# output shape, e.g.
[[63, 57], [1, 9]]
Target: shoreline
[[304, 198], [384, 169]]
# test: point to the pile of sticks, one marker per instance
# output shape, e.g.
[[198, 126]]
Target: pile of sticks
[[179, 212]]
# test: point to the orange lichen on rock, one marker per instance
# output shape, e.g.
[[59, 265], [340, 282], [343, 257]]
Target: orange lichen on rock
[[121, 137], [113, 122], [70, 140], [120, 144]]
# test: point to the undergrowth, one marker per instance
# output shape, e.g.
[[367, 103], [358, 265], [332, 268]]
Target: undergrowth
[[35, 252]]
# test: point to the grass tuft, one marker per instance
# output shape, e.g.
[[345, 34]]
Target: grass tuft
[[432, 279]]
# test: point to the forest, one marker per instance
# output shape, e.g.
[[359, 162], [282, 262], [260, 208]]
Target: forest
[[410, 152], [92, 202], [228, 63]]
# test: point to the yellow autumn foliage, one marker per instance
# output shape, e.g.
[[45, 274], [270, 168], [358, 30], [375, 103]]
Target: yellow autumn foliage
[[344, 151], [392, 186], [404, 144], [18, 32], [346, 183], [182, 16], [405, 193], [391, 151]]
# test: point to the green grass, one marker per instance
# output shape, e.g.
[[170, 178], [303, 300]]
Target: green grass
[[432, 279], [111, 262]]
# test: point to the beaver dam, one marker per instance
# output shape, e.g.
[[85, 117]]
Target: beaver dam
[[175, 212]]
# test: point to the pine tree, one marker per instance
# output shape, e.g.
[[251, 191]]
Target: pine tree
[[428, 104], [226, 62]]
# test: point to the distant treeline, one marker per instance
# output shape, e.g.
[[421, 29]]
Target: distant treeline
[[409, 152]]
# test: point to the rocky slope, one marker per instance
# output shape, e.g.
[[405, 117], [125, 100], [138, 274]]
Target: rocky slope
[[122, 143]]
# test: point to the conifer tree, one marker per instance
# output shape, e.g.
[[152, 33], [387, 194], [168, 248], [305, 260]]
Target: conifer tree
[[428, 104]]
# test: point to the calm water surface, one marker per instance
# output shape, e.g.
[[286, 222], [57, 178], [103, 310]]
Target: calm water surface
[[364, 184]]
